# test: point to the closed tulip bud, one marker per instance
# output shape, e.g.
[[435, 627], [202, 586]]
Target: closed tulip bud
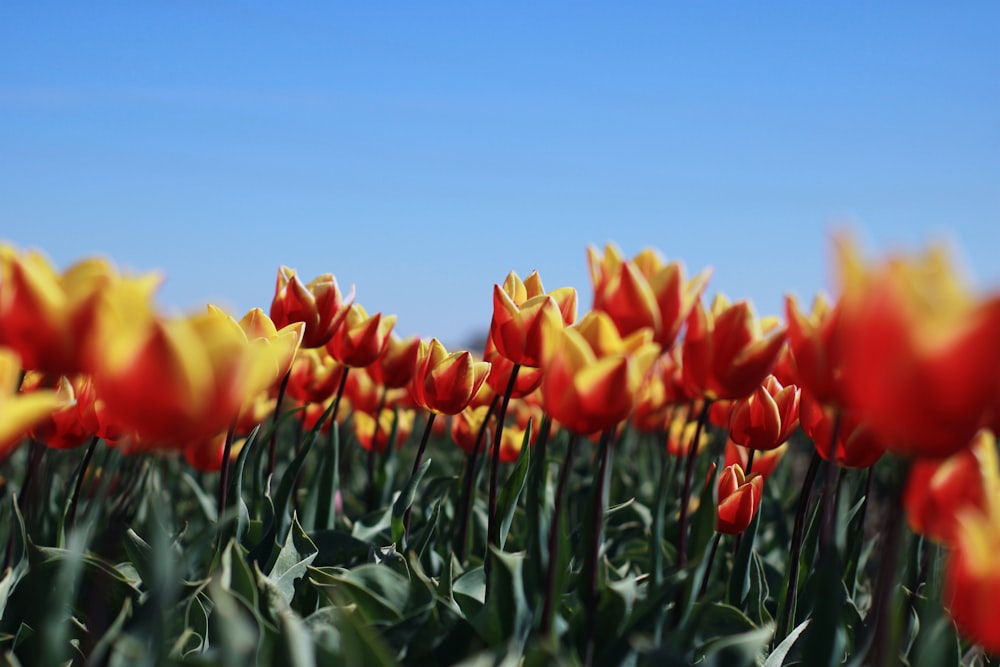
[[445, 383], [318, 304], [727, 351], [937, 491], [766, 418], [520, 311], [19, 412], [360, 340], [739, 499]]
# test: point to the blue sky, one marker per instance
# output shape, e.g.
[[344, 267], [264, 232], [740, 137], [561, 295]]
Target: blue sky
[[422, 151]]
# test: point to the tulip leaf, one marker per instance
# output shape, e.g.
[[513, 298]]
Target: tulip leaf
[[405, 501], [329, 482], [780, 652], [739, 579], [511, 491], [297, 553], [505, 614]]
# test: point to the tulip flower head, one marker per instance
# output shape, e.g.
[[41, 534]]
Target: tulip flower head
[[394, 368], [739, 500], [443, 382], [183, 379], [592, 375], [856, 446], [318, 304], [766, 418], [19, 412], [644, 292], [49, 318], [361, 339], [937, 491], [972, 574], [726, 351], [920, 351], [520, 312]]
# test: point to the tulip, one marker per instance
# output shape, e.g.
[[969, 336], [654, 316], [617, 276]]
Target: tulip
[[855, 447], [374, 433], [644, 292], [65, 427], [726, 353], [315, 376], [394, 369], [764, 462], [937, 491], [318, 304], [528, 379], [766, 418], [49, 318], [921, 353], [445, 383], [972, 575], [466, 427], [183, 379], [361, 339], [739, 500], [816, 349], [520, 310], [592, 375], [19, 412]]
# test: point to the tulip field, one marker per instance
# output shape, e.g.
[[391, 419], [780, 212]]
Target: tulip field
[[668, 478]]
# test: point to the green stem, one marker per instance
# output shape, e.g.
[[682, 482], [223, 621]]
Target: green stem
[[786, 617], [372, 451], [78, 485], [592, 566], [493, 525], [418, 459], [273, 445], [549, 602], [688, 477], [227, 451], [469, 486]]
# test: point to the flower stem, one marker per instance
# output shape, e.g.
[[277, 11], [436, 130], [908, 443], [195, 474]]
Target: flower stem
[[711, 561], [549, 602], [273, 445], [686, 493], [227, 451], [418, 459], [468, 492], [78, 485], [493, 525], [594, 548], [786, 618], [373, 450]]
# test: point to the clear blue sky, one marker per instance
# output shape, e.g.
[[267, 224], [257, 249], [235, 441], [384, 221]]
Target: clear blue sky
[[422, 150]]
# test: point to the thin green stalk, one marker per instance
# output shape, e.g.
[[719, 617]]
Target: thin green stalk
[[711, 561], [686, 493], [78, 484], [272, 450], [372, 451], [469, 485], [592, 565], [787, 616], [493, 524], [549, 602], [227, 451], [416, 466]]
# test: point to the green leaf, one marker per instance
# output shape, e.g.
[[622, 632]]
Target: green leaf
[[511, 491], [329, 482], [380, 593], [744, 648], [739, 579], [293, 559], [506, 614], [777, 657], [405, 500]]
